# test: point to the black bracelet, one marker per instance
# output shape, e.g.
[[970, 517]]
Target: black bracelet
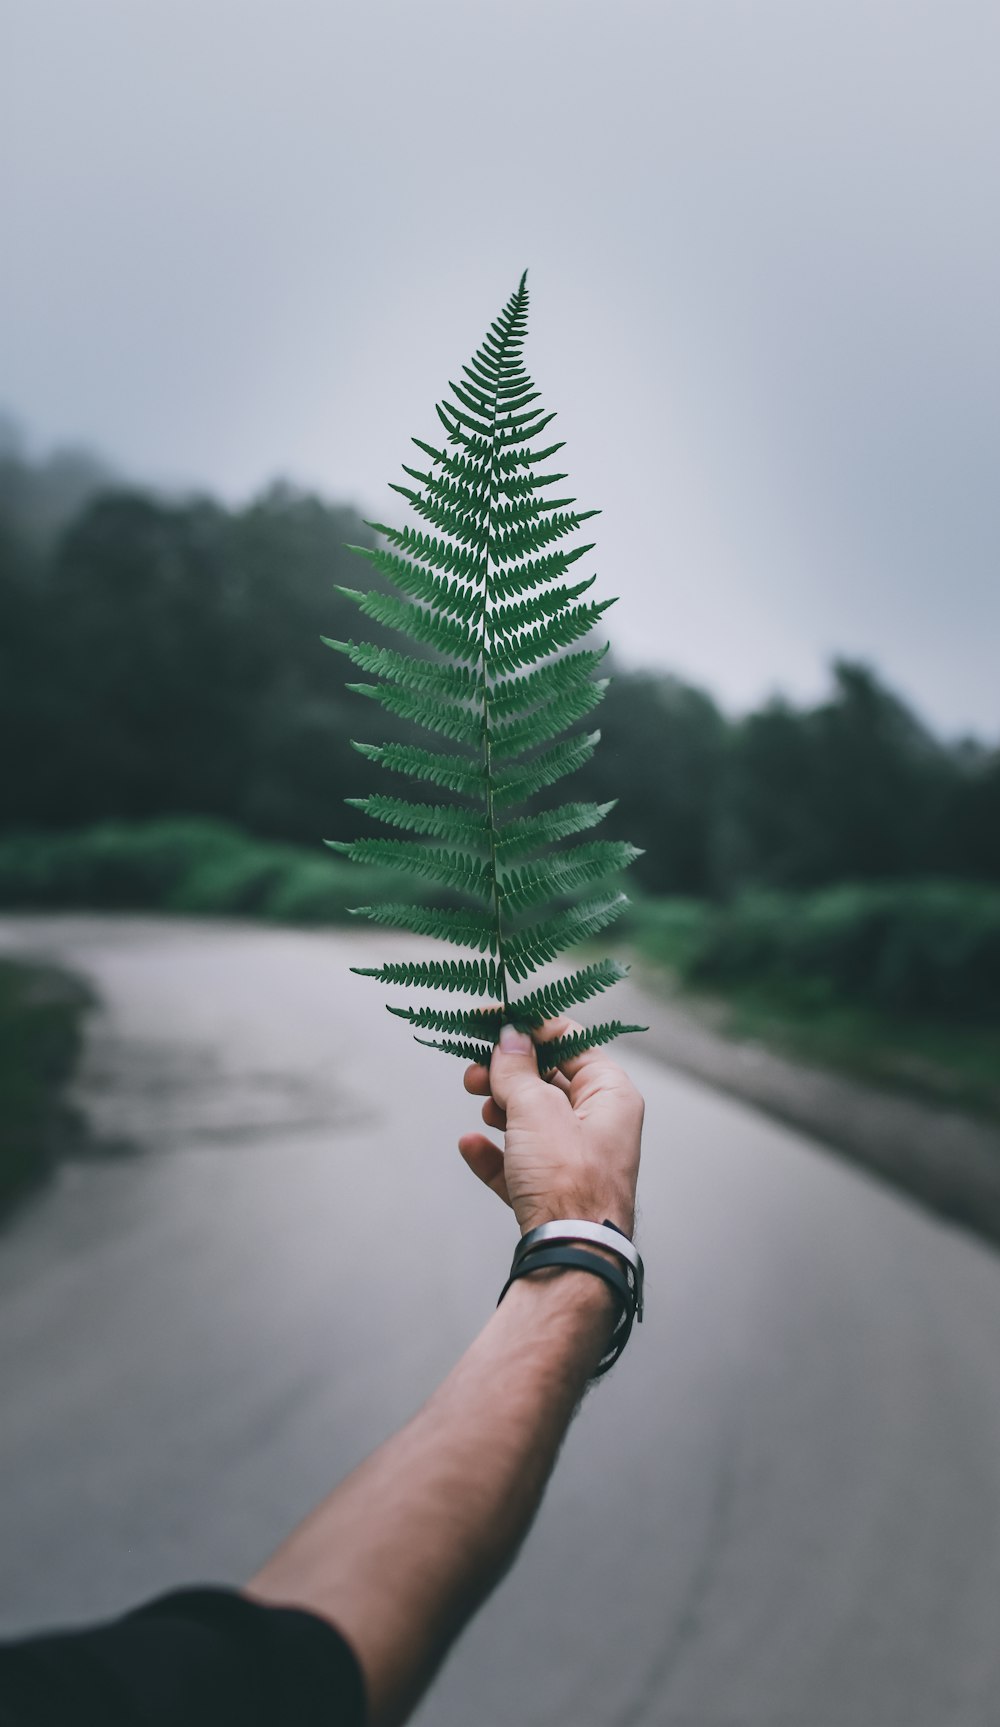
[[581, 1232], [579, 1259]]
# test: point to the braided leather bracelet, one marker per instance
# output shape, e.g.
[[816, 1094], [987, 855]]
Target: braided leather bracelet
[[542, 1247]]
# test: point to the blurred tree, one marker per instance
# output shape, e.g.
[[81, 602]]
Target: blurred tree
[[855, 788], [166, 659], [662, 754], [162, 657], [40, 497], [970, 827]]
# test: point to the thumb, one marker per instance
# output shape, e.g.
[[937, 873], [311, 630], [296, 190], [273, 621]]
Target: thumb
[[514, 1065]]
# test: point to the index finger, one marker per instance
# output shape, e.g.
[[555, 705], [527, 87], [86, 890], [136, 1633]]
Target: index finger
[[477, 1080]]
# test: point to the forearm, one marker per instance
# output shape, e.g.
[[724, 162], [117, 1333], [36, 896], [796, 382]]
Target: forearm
[[404, 1550]]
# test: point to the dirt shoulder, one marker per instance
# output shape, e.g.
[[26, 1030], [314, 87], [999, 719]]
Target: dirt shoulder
[[945, 1159]]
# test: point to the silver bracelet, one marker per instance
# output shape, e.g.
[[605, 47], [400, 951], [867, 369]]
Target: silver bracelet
[[582, 1229]]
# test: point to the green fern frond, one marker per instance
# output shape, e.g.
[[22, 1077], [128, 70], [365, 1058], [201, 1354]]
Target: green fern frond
[[482, 597], [439, 554], [546, 683], [509, 463], [558, 632], [464, 928], [474, 977], [539, 943], [550, 1055], [552, 765], [483, 1023], [478, 1052], [534, 536], [454, 683], [512, 737], [443, 633], [553, 877], [461, 725], [437, 821], [520, 511], [454, 774], [449, 594], [547, 603], [554, 1053], [447, 869], [524, 834], [445, 516], [522, 578], [554, 998]]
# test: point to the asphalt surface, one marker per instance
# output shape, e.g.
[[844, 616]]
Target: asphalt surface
[[781, 1510]]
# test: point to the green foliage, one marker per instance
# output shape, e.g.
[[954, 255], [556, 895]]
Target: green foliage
[[41, 1014], [666, 750], [163, 657], [670, 930], [117, 865], [895, 983], [914, 948], [179, 865], [855, 787], [484, 592], [911, 950]]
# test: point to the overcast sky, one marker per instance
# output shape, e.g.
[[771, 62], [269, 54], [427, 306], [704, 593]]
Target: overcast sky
[[244, 238]]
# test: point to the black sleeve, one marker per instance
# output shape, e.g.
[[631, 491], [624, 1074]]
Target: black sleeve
[[195, 1658]]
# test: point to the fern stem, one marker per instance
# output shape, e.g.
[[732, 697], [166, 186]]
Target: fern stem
[[496, 894]]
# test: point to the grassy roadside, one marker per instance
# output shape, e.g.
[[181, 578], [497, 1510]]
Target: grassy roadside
[[41, 1019], [942, 1062], [896, 983], [926, 1058], [949, 1059]]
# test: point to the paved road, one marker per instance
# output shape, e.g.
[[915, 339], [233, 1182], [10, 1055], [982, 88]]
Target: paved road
[[783, 1510]]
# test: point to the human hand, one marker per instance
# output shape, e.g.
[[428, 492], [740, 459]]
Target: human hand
[[571, 1140]]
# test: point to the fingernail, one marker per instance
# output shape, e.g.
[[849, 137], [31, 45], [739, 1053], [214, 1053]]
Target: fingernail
[[514, 1042]]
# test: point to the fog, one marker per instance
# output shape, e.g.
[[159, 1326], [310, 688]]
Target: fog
[[243, 239]]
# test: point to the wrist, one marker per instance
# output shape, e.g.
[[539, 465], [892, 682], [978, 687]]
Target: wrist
[[559, 1301], [598, 1250], [614, 1210], [584, 1291]]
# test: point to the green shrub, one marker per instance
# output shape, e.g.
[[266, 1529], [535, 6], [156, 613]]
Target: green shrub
[[317, 890], [117, 865], [41, 1012], [924, 947], [185, 865], [905, 947], [669, 930], [236, 882]]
